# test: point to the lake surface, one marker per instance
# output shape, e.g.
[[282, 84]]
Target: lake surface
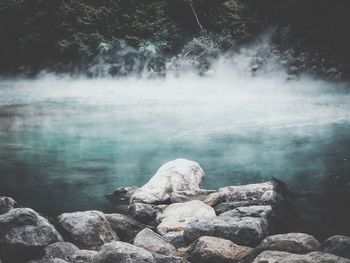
[[65, 143]]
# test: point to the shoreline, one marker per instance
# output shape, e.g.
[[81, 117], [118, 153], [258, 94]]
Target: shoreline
[[172, 219]]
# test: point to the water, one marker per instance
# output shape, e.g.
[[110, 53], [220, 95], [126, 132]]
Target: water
[[65, 143]]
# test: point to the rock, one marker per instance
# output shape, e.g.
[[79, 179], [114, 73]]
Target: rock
[[88, 230], [293, 69], [292, 77], [227, 206], [175, 179], [145, 213], [6, 204], [23, 233], [153, 242], [285, 257], [255, 67], [121, 252], [176, 216], [338, 245], [215, 250], [200, 195], [298, 243], [60, 250], [248, 231], [332, 71], [168, 259], [262, 211], [245, 193], [82, 256], [125, 226], [48, 260], [214, 199], [122, 194]]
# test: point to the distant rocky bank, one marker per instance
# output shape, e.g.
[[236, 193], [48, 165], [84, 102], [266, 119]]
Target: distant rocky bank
[[171, 219]]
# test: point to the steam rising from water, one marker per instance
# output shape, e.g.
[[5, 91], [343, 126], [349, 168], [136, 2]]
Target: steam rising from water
[[75, 139]]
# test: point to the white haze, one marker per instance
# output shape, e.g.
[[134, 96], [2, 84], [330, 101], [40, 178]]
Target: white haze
[[76, 139], [228, 99]]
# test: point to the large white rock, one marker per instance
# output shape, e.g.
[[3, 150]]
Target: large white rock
[[176, 217], [285, 257], [175, 180]]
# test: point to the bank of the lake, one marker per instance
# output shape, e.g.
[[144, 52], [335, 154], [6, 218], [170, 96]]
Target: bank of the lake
[[172, 219]]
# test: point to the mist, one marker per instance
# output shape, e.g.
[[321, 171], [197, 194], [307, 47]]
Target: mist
[[75, 138]]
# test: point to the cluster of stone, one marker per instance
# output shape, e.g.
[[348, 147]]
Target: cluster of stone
[[170, 219]]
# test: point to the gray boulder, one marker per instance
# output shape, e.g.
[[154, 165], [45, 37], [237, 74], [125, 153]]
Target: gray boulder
[[122, 252], [175, 180], [144, 213], [88, 230], [227, 206], [248, 231], [48, 260], [285, 257], [121, 195], [125, 226], [158, 258], [338, 245], [82, 256], [6, 204], [175, 218], [60, 250], [153, 242], [298, 243], [23, 233], [262, 211], [215, 250], [258, 193]]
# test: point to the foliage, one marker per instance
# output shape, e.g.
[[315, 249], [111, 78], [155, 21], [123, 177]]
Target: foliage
[[40, 32]]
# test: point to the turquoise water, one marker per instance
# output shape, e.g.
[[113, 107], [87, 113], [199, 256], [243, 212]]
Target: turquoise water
[[65, 143]]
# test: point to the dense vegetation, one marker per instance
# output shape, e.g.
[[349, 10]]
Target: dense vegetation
[[42, 32]]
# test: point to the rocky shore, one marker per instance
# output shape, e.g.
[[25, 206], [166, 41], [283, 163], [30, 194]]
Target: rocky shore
[[170, 219]]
